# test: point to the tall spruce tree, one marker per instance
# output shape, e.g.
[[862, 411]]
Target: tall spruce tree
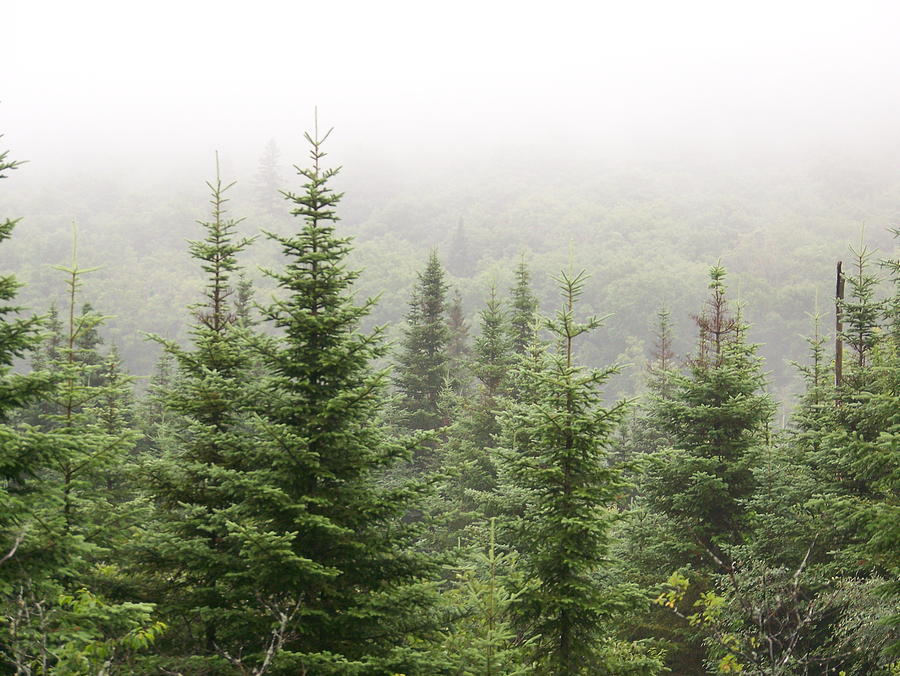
[[459, 352], [524, 307], [556, 443], [468, 454], [70, 518], [268, 182], [423, 362], [24, 452], [717, 414], [199, 482], [327, 552]]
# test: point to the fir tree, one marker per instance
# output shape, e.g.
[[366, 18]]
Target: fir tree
[[523, 312], [327, 552], [458, 350], [154, 420], [423, 361], [243, 302], [268, 181], [468, 454], [24, 453], [199, 481], [461, 262], [717, 415], [663, 357], [76, 412], [556, 443], [482, 640], [493, 351], [861, 314]]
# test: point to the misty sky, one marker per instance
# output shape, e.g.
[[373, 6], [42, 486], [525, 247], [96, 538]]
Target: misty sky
[[95, 81]]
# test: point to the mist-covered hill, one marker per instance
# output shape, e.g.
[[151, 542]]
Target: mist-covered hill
[[646, 232]]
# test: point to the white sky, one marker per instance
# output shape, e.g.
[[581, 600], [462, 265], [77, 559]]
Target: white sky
[[176, 79]]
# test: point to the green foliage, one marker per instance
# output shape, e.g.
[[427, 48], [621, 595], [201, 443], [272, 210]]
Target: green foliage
[[555, 441], [482, 640], [524, 307], [423, 360], [325, 551], [24, 452], [717, 416], [459, 352], [77, 634], [196, 471]]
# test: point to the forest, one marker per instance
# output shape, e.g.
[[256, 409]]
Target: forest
[[457, 473]]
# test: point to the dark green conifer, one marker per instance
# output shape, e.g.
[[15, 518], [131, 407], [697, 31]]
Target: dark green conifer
[[556, 442], [861, 314], [198, 480], [459, 352], [493, 347], [469, 449], [326, 553], [523, 313], [717, 415], [24, 452], [423, 362]]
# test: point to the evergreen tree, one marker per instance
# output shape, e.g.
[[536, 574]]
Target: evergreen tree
[[717, 416], [556, 443], [75, 520], [861, 314], [468, 453], [461, 262], [524, 307], [199, 480], [268, 196], [459, 352], [482, 640], [24, 453], [327, 553], [493, 348], [243, 302], [663, 361], [77, 411], [423, 361], [154, 420]]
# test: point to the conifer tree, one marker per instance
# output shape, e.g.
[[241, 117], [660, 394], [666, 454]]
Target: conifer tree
[[268, 181], [717, 415], [84, 501], [849, 427], [861, 313], [459, 352], [556, 442], [462, 261], [243, 302], [468, 454], [327, 553], [482, 640], [154, 420], [24, 453], [663, 361], [199, 481], [866, 438], [423, 361], [67, 519], [524, 307]]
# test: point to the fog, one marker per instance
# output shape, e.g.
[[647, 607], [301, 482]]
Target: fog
[[622, 137], [413, 84]]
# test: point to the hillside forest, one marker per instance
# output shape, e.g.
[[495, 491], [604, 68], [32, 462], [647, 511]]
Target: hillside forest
[[611, 422]]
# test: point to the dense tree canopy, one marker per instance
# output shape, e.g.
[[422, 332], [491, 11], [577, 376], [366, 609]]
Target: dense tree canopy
[[290, 493]]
